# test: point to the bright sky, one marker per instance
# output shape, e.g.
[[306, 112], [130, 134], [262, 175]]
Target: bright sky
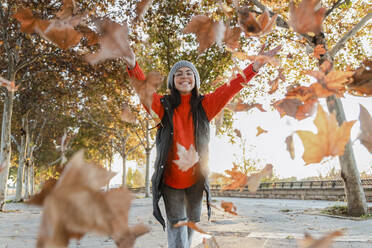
[[270, 147]]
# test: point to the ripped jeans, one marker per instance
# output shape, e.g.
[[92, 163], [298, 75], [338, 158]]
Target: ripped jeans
[[182, 205]]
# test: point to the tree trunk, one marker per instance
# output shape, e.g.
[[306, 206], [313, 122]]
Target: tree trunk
[[147, 179], [5, 151], [27, 182], [22, 157], [356, 199], [32, 178], [124, 176]]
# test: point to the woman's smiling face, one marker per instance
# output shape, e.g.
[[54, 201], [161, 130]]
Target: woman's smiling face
[[184, 80]]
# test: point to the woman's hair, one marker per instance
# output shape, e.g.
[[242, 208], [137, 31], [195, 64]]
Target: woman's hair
[[175, 99]]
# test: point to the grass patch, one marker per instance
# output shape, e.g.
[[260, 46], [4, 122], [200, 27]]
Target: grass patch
[[335, 210]]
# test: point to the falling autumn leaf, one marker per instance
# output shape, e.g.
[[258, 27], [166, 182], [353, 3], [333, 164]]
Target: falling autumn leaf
[[251, 25], [319, 50], [186, 157], [76, 205], [142, 8], [362, 80], [238, 133], [240, 106], [290, 146], [260, 131], [330, 139], [114, 44], [9, 85], [231, 37], [306, 18], [365, 135], [126, 114], [229, 207], [146, 88], [206, 30], [47, 187], [324, 242], [59, 31], [254, 180], [189, 224]]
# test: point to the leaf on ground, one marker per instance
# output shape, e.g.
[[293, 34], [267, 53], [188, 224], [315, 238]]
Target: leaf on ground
[[324, 242], [290, 145], [307, 18], [76, 205], [186, 157], [362, 80], [146, 88], [251, 25], [229, 207], [319, 50], [9, 85], [114, 43], [142, 8], [126, 114], [365, 135], [190, 224], [207, 31], [330, 139], [260, 131]]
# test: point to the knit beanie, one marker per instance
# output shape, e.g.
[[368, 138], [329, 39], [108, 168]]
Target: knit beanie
[[178, 65]]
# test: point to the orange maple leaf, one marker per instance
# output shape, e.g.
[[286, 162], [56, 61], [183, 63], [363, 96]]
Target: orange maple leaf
[[231, 37], [330, 139], [142, 8], [306, 18], [229, 207], [207, 31], [126, 114], [186, 157], [240, 106], [252, 26], [324, 242], [365, 135], [114, 43], [260, 131], [190, 224]]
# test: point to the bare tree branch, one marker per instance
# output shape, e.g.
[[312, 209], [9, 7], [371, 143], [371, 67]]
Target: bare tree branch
[[16, 143], [335, 6], [350, 34]]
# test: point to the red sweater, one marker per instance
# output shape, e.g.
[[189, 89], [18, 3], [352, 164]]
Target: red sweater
[[183, 133]]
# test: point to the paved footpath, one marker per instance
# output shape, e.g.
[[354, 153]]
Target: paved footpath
[[262, 223]]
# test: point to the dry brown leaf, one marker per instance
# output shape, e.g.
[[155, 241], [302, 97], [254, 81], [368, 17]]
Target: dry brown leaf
[[306, 18], [325, 242], [190, 224], [126, 114], [9, 85], [362, 80], [114, 44], [186, 157], [251, 25], [29, 23], [38, 199], [206, 30], [146, 88], [260, 131], [319, 50], [142, 8], [238, 133], [290, 146], [229, 207], [365, 135], [239, 106], [68, 9], [77, 205], [254, 180], [274, 85], [231, 37], [295, 108], [330, 139]]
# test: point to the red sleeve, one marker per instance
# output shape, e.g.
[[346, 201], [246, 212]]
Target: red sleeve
[[157, 110], [214, 102], [136, 72]]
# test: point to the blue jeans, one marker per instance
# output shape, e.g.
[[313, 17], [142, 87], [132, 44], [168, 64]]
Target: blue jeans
[[182, 205]]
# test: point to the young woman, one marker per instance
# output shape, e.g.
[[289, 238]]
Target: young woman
[[185, 116]]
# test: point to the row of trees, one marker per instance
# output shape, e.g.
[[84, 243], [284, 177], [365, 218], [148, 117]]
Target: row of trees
[[59, 92]]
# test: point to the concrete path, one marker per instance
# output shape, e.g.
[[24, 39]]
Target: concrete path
[[262, 223]]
